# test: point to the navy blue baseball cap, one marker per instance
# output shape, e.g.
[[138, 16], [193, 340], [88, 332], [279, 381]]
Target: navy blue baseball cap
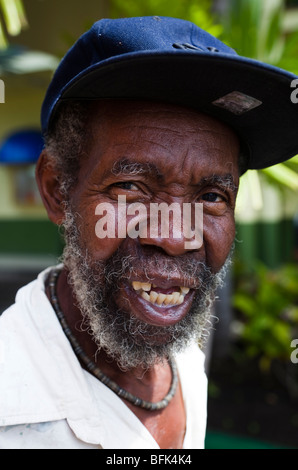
[[173, 60]]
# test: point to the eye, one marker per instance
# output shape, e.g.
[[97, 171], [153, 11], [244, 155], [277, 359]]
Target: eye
[[213, 197], [126, 185]]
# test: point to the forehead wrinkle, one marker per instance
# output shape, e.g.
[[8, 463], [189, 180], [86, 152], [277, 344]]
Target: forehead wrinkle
[[173, 128]]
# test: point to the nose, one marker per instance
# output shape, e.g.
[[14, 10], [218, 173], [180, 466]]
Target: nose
[[171, 246], [174, 231]]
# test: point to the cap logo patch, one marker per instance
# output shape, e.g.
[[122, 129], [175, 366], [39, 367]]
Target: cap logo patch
[[237, 103], [185, 45]]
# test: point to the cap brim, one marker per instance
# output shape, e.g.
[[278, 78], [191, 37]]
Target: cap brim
[[268, 126]]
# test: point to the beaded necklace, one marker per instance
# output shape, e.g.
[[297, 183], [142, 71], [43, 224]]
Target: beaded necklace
[[92, 367]]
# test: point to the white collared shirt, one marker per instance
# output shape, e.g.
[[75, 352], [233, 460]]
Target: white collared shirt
[[47, 401]]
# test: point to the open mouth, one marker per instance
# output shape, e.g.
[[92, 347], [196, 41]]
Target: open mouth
[[161, 302], [160, 296]]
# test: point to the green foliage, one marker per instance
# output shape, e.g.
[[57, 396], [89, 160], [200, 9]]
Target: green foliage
[[284, 174], [254, 28], [198, 12], [12, 20], [288, 60], [266, 308]]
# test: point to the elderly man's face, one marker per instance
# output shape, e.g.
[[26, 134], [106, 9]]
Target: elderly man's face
[[153, 153]]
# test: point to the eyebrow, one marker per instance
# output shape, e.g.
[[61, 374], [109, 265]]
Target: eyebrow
[[125, 166], [226, 181], [128, 167]]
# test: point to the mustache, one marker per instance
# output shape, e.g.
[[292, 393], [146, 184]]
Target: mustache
[[148, 264]]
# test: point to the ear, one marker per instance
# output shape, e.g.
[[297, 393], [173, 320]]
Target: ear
[[48, 183]]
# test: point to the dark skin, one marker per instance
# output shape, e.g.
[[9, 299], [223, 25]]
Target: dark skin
[[193, 158]]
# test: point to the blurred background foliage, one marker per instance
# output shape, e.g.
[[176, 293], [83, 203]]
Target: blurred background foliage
[[266, 302], [12, 20], [199, 12]]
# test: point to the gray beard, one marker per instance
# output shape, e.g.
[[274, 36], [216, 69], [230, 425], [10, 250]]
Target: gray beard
[[124, 338]]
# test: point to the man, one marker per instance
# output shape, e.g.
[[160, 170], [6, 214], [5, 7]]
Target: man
[[102, 351]]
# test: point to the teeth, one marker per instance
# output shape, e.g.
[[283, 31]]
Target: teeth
[[144, 288], [168, 299], [184, 290], [153, 296], [145, 296], [160, 298], [175, 298], [136, 285]]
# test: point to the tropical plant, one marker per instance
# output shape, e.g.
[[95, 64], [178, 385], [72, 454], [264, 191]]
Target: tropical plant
[[12, 20], [266, 304], [265, 321], [199, 12]]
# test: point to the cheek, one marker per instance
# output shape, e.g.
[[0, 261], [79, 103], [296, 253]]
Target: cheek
[[98, 225], [219, 236], [103, 228]]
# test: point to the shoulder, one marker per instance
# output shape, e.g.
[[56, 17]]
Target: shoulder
[[191, 368], [26, 329], [192, 356], [43, 435]]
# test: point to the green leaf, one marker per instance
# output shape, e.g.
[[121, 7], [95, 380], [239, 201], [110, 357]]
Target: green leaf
[[14, 18], [283, 175], [3, 40], [11, 17], [244, 304]]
